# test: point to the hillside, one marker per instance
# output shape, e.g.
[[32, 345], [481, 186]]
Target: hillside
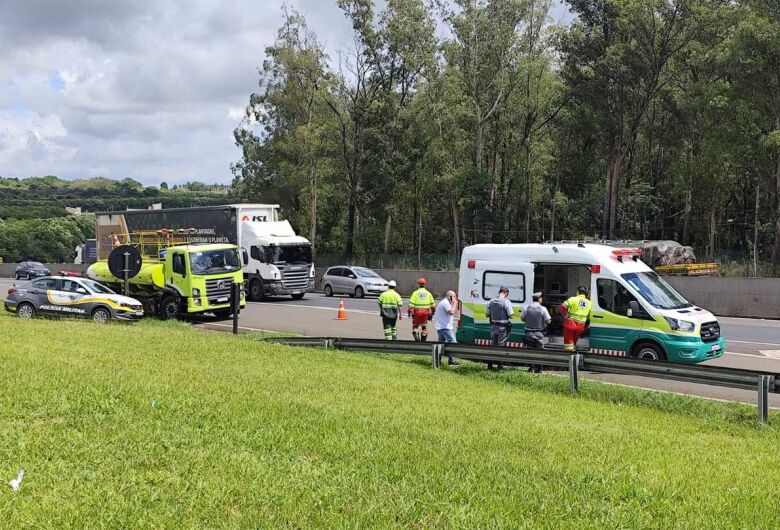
[[46, 197], [35, 225], [157, 425]]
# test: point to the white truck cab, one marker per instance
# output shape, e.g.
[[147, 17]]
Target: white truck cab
[[635, 313]]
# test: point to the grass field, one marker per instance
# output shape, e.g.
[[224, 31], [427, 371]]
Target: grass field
[[157, 425]]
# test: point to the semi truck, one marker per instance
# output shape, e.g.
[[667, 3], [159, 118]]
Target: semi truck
[[174, 277], [277, 261]]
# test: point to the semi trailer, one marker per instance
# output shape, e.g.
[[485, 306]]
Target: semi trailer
[[276, 261]]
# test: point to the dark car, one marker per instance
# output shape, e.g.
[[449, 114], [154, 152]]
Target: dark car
[[69, 296], [27, 270]]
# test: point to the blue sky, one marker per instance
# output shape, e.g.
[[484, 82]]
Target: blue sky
[[146, 89]]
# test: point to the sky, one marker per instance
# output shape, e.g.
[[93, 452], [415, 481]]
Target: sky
[[147, 89]]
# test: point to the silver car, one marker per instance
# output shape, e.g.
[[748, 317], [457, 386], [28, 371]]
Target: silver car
[[354, 281]]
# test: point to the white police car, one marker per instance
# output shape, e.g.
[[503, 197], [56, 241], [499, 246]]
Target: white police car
[[71, 296]]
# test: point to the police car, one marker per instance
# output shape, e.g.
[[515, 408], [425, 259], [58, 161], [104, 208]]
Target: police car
[[71, 296]]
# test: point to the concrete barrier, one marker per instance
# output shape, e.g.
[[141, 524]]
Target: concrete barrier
[[734, 297]]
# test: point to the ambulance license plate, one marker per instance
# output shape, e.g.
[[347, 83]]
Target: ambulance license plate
[[716, 347], [223, 299]]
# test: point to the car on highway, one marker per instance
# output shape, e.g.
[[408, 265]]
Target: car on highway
[[55, 296], [354, 281], [27, 270]]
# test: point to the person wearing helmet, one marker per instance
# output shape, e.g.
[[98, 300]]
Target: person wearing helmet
[[390, 304], [421, 308]]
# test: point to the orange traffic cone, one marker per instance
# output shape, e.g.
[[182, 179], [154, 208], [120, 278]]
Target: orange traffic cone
[[342, 311]]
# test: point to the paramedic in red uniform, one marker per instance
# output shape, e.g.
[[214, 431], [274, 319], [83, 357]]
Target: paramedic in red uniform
[[576, 312]]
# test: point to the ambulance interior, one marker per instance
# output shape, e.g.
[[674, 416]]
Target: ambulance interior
[[557, 283]]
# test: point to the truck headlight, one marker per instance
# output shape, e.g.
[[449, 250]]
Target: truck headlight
[[680, 325], [196, 293]]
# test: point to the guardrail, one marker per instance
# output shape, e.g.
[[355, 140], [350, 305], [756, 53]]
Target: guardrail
[[761, 382]]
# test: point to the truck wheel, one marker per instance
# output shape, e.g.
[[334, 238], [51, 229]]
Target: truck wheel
[[101, 315], [328, 290], [298, 296], [648, 351], [359, 293], [169, 307], [25, 310], [256, 291]]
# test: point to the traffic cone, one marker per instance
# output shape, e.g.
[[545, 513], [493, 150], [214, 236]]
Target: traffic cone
[[342, 311]]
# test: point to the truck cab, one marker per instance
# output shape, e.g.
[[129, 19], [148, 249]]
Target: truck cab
[[280, 263], [200, 279], [635, 313]]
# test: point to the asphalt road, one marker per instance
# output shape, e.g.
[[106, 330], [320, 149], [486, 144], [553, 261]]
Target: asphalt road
[[751, 343]]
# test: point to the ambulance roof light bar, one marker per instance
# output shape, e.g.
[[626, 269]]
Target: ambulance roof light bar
[[633, 253]]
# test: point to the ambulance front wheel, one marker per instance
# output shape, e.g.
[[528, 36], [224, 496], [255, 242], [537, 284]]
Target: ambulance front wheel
[[649, 351]]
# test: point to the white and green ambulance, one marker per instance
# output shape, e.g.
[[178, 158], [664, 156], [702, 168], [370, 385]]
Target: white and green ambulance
[[635, 313]]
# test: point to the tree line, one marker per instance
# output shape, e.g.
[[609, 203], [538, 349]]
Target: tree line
[[451, 123]]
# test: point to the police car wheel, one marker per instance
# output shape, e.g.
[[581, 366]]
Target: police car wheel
[[101, 316], [328, 290], [26, 311], [647, 351], [359, 293]]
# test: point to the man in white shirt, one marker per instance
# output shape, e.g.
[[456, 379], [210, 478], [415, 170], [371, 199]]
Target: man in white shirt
[[444, 320]]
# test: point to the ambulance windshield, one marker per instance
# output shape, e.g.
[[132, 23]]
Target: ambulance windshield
[[656, 291]]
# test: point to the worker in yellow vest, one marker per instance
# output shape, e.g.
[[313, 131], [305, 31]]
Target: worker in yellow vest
[[421, 308], [576, 312]]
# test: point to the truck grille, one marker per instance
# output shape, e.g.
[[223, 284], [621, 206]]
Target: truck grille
[[295, 277], [218, 288], [710, 331]]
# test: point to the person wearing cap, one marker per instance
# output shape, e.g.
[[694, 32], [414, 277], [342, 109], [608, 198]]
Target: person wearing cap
[[390, 305], [500, 312], [576, 313], [421, 308], [536, 318]]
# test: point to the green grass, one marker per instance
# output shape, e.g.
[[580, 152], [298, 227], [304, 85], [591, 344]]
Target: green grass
[[246, 434]]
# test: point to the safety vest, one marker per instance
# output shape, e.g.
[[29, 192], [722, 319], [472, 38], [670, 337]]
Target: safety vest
[[389, 302], [577, 308], [421, 299]]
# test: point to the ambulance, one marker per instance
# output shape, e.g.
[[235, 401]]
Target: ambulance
[[635, 313]]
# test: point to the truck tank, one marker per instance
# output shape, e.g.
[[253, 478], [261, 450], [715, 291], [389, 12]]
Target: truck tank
[[150, 275]]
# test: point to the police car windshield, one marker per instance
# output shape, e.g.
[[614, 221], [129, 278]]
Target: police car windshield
[[96, 287], [656, 291], [213, 261], [365, 273]]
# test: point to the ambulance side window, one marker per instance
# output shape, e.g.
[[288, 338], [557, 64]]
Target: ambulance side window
[[613, 297], [492, 281]]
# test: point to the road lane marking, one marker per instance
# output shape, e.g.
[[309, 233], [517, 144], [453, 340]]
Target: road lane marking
[[774, 354], [334, 309], [750, 342]]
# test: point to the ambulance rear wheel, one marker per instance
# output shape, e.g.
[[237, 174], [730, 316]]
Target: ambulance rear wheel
[[649, 351]]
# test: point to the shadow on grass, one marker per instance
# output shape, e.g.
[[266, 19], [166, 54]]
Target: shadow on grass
[[703, 409]]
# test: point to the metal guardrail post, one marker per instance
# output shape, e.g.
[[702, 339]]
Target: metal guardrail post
[[763, 398], [436, 355], [574, 373]]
